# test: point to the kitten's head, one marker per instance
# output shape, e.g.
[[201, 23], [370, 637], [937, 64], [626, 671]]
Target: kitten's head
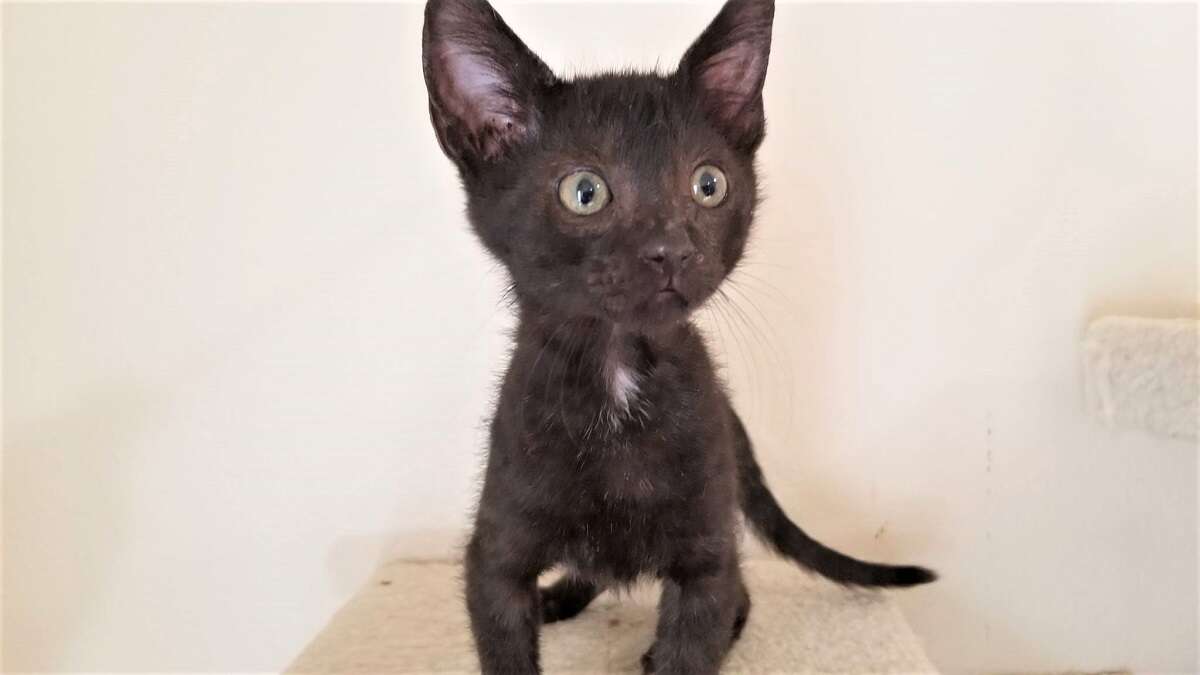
[[626, 197]]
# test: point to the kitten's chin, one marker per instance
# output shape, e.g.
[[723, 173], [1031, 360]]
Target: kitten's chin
[[661, 308], [670, 300], [665, 307]]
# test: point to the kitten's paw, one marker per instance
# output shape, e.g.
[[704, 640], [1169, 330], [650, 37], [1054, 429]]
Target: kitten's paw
[[739, 624], [743, 614], [648, 661], [566, 598]]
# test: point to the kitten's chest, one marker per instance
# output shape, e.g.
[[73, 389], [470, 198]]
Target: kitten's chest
[[625, 503], [625, 427], [639, 448], [622, 385], [636, 472], [626, 430]]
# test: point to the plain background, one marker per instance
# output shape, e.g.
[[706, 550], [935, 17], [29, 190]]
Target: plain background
[[250, 343]]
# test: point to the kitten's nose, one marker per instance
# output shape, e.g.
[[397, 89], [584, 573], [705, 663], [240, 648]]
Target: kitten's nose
[[668, 252]]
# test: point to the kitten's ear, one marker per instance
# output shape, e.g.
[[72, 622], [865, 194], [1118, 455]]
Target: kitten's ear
[[483, 82], [726, 66]]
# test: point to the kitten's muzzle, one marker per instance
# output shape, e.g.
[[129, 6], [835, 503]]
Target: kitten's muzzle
[[668, 252]]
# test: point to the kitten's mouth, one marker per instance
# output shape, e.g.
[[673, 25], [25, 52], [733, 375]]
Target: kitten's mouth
[[669, 293], [653, 306]]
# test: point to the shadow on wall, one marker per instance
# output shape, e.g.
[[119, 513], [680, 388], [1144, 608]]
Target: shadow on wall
[[88, 492]]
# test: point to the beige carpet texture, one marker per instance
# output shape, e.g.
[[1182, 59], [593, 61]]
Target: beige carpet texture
[[410, 618], [1144, 374]]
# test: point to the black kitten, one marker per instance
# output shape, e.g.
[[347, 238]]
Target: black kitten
[[618, 204]]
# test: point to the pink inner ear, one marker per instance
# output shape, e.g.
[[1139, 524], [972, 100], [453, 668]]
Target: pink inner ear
[[474, 92], [484, 83], [731, 77]]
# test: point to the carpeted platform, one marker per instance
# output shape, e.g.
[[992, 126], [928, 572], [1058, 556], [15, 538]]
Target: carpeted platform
[[410, 619]]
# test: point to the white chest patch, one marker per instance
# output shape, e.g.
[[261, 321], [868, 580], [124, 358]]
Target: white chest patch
[[623, 387], [625, 400]]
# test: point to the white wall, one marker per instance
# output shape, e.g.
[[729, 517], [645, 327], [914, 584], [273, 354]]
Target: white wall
[[250, 343]]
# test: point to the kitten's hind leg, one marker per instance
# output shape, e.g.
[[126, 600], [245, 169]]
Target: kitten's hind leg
[[743, 613], [566, 598]]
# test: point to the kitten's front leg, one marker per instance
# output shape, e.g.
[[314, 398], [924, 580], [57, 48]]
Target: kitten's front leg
[[502, 601], [697, 614]]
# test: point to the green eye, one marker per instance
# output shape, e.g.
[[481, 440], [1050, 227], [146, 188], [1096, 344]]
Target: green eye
[[709, 186], [583, 192]]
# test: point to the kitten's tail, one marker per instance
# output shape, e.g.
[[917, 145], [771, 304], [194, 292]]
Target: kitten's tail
[[777, 530]]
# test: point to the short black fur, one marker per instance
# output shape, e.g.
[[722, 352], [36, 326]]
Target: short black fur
[[614, 450]]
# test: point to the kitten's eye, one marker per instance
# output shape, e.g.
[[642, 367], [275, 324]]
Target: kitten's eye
[[583, 192], [709, 186]]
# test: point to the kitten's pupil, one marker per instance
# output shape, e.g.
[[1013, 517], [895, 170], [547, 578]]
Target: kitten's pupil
[[583, 193], [708, 184], [586, 191]]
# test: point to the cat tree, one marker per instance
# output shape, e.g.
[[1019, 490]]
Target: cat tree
[[410, 618]]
